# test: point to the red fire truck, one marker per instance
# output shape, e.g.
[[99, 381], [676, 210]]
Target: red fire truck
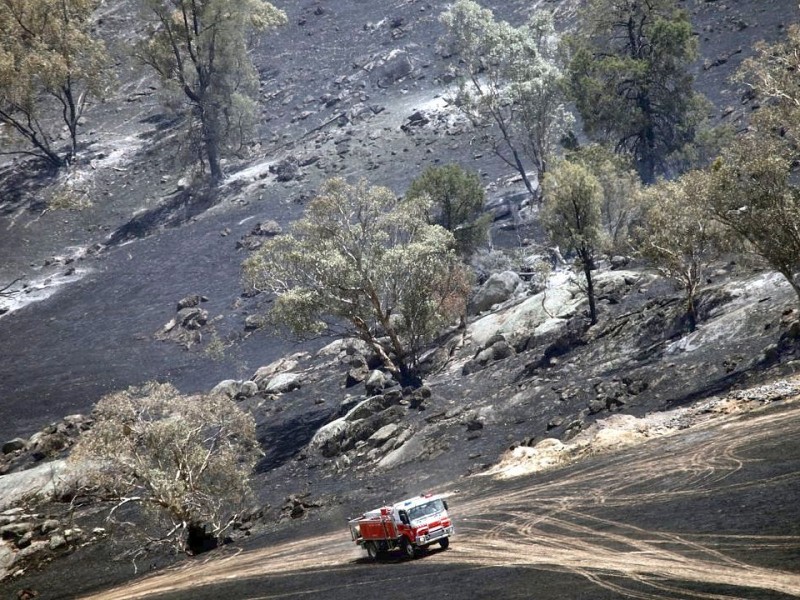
[[408, 526]]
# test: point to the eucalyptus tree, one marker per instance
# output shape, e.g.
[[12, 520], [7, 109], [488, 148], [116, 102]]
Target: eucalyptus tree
[[754, 188], [511, 78], [186, 460], [51, 65], [571, 215], [622, 192], [679, 235], [199, 49], [457, 202], [361, 262]]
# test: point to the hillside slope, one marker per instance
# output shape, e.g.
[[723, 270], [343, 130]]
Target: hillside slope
[[674, 516]]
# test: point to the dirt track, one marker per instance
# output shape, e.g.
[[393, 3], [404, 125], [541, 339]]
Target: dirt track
[[709, 513]]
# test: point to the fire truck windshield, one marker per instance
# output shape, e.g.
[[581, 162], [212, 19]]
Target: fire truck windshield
[[425, 510]]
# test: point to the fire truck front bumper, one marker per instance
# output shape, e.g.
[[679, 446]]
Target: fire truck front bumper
[[435, 535]]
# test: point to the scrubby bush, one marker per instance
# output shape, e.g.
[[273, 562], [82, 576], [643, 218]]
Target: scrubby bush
[[185, 459]]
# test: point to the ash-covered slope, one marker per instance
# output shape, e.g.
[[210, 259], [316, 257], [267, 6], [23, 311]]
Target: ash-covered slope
[[339, 82], [351, 88]]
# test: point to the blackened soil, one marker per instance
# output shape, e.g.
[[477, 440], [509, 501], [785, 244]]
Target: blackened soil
[[708, 511], [714, 515]]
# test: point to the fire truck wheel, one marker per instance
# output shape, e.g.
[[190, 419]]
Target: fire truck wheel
[[444, 543], [372, 550], [407, 548]]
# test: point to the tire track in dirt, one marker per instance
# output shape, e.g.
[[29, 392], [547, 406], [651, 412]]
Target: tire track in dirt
[[569, 537], [558, 524]]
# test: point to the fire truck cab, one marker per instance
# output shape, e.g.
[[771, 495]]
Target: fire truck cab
[[407, 526]]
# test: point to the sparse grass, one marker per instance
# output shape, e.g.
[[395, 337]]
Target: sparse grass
[[66, 197], [215, 349]]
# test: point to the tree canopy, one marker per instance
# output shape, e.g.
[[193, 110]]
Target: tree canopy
[[631, 81], [50, 64], [571, 215], [510, 77], [361, 262], [772, 75], [622, 191], [754, 189], [184, 458], [457, 200], [199, 49], [679, 235]]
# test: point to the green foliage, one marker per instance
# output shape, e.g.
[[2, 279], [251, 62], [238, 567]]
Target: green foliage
[[622, 191], [754, 189], [572, 217], [630, 79], [199, 49], [50, 64], [185, 458], [361, 260], [679, 234], [772, 74], [457, 204], [753, 194], [511, 77]]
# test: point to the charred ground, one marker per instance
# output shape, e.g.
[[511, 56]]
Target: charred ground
[[341, 85]]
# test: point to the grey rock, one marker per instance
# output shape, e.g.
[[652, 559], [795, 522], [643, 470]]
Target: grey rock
[[49, 525], [228, 387], [44, 444], [573, 429], [248, 389], [265, 373], [620, 262], [496, 338], [7, 557], [16, 530], [484, 356], [499, 209], [416, 119], [356, 375], [267, 229], [358, 361], [57, 541], [14, 445], [191, 301], [330, 438], [254, 322], [392, 396], [284, 383], [348, 404], [383, 435], [375, 382], [596, 405], [286, 170], [366, 408], [474, 425], [393, 70], [502, 350], [497, 289], [25, 540], [192, 317]]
